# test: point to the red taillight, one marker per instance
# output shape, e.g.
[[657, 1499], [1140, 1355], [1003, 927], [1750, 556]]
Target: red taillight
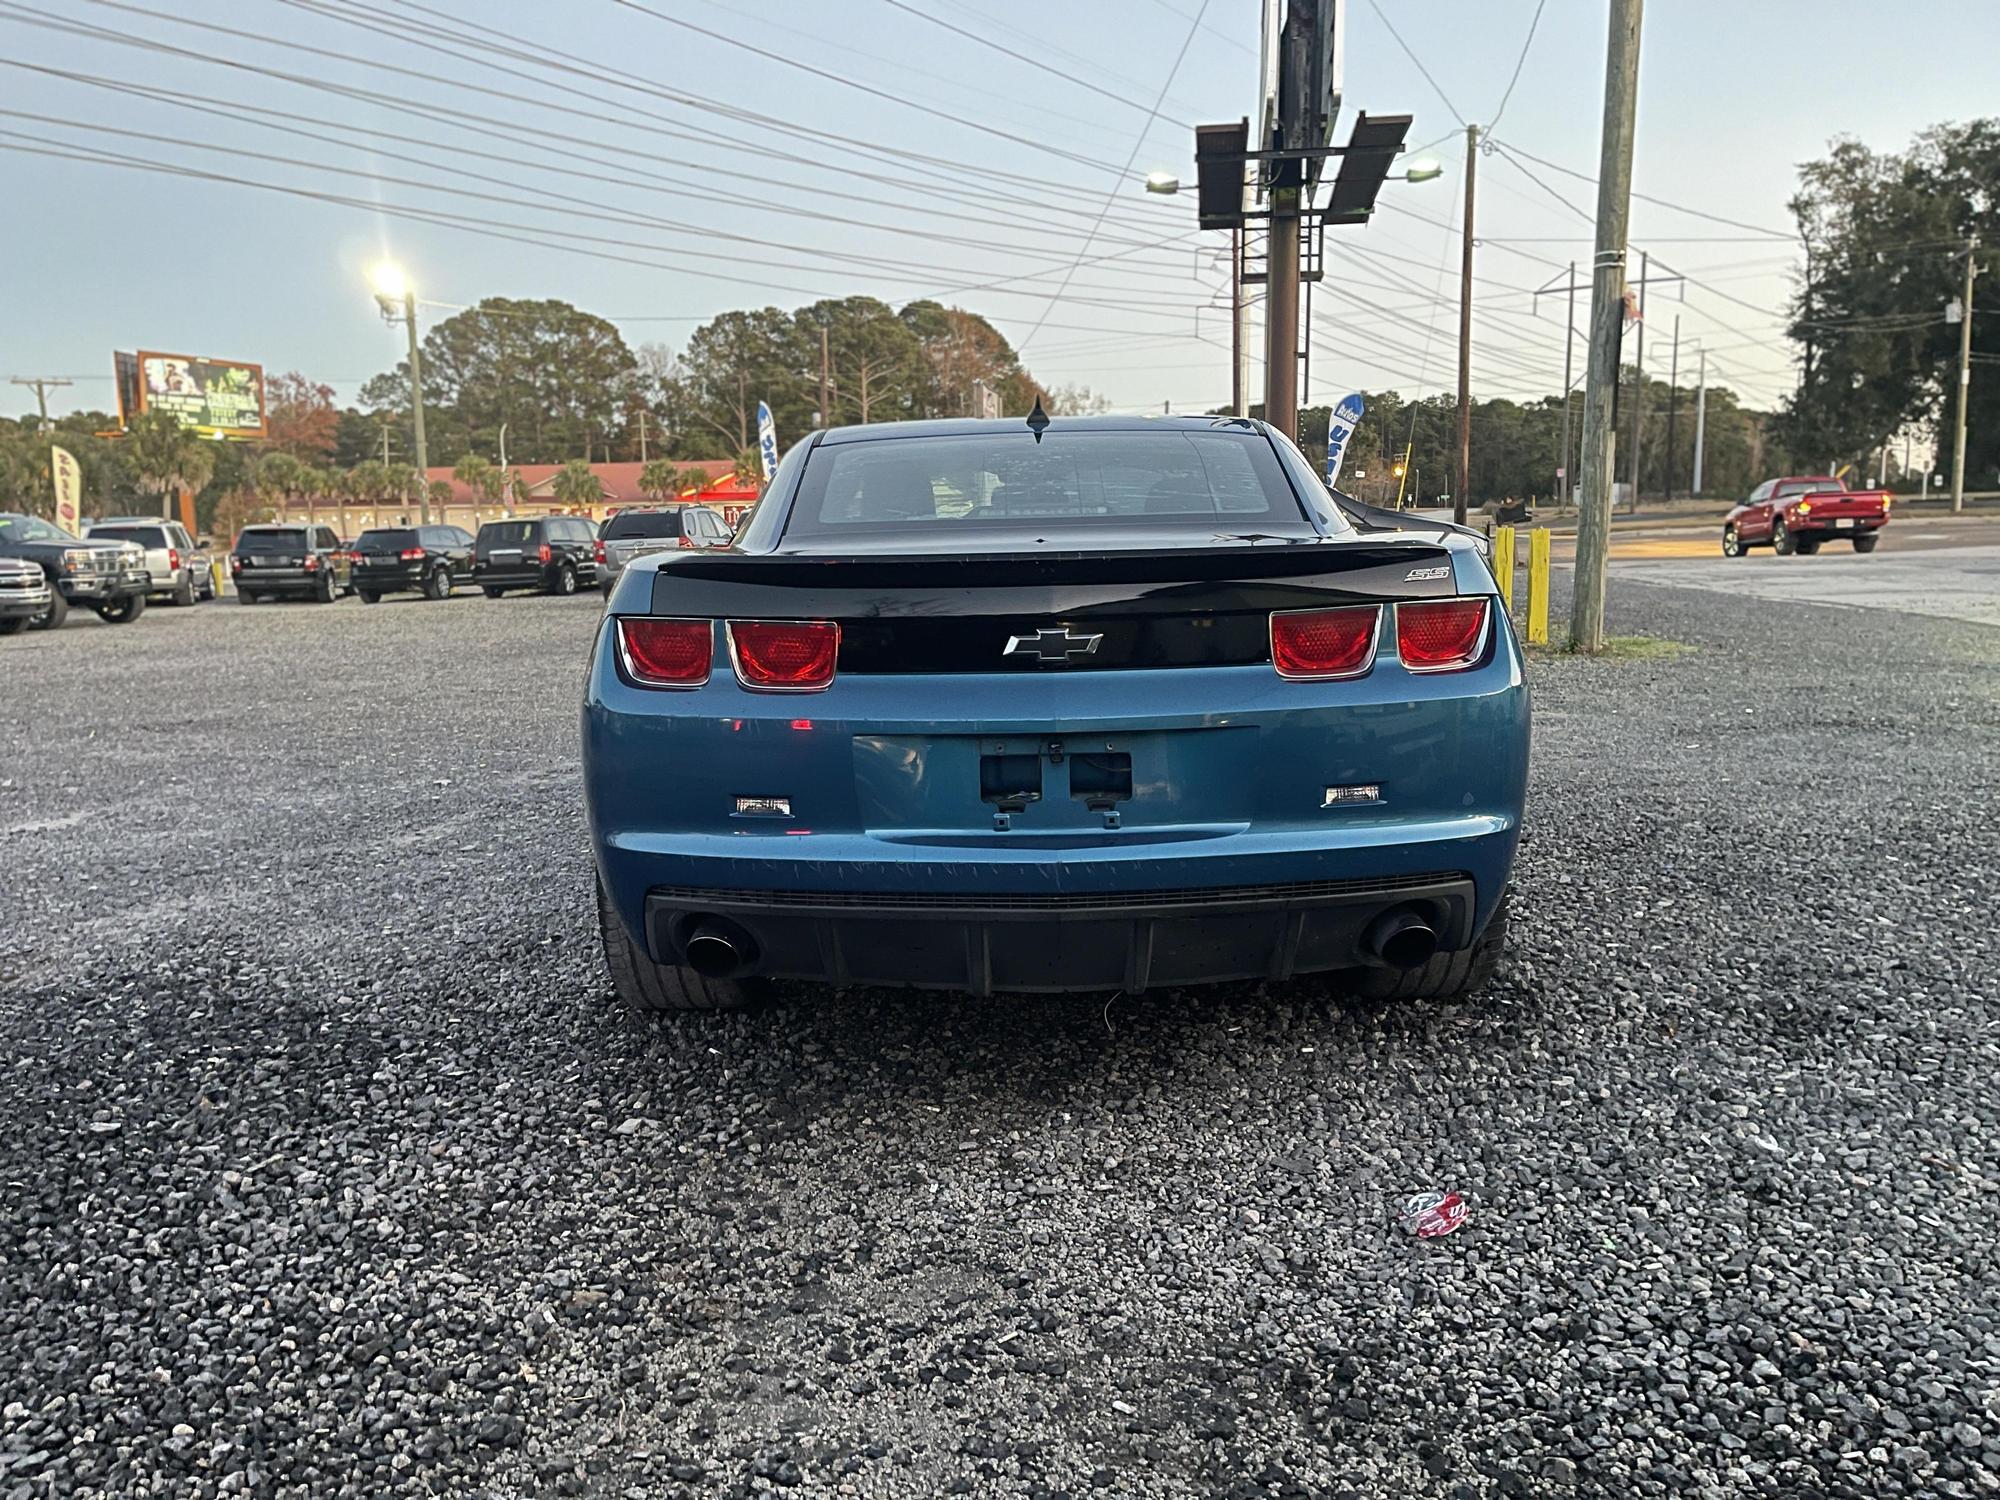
[[666, 653], [411, 554], [685, 541], [1440, 635], [545, 553], [1314, 644], [235, 563], [597, 551], [791, 656], [312, 562], [173, 559]]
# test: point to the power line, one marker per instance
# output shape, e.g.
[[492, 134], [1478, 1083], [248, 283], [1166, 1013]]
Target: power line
[[1679, 208], [1024, 57], [1137, 145], [1418, 62], [1501, 108]]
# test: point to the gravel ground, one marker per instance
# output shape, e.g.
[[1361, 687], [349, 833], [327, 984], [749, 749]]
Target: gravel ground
[[332, 1167]]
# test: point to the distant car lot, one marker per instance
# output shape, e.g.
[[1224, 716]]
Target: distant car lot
[[334, 1096]]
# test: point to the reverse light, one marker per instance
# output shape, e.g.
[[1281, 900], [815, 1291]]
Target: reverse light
[[785, 656], [1312, 645], [666, 653], [312, 562], [235, 563], [1441, 635]]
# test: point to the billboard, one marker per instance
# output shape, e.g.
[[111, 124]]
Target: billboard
[[218, 398]]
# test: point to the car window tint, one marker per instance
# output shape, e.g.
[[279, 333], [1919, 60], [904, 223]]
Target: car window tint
[[145, 536]]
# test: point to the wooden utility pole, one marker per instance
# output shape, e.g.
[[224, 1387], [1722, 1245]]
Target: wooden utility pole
[[1239, 394], [1464, 482], [826, 381], [42, 384], [1673, 404], [1964, 375], [1607, 310], [1566, 479], [1281, 314]]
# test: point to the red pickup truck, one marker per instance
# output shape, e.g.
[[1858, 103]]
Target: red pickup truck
[[1797, 513]]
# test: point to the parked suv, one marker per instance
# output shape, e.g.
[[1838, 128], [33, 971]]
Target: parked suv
[[306, 562], [551, 553], [180, 566], [108, 576], [637, 533], [402, 559], [25, 593]]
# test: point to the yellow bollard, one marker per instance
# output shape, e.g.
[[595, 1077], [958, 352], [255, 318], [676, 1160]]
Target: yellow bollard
[[1503, 563], [1538, 586]]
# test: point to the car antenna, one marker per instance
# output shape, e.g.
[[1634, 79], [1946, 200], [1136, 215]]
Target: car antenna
[[1038, 420]]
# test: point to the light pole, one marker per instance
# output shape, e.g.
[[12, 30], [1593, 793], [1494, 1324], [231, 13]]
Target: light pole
[[398, 301]]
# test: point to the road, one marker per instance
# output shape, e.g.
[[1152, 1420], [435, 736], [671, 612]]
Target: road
[[333, 1169]]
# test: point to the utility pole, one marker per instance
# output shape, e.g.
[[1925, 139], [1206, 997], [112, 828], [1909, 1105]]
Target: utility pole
[[1567, 482], [1700, 422], [417, 405], [1464, 482], [1607, 310], [1639, 377], [43, 384], [1673, 404], [642, 434], [826, 382], [1239, 333], [1281, 314], [1964, 375]]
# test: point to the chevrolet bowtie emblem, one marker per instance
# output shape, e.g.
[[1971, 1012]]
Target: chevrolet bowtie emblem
[[1058, 644]]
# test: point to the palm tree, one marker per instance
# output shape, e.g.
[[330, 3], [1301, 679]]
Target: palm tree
[[472, 471], [343, 492], [577, 484], [282, 476], [401, 483], [750, 467], [660, 479], [440, 493], [166, 458], [369, 480]]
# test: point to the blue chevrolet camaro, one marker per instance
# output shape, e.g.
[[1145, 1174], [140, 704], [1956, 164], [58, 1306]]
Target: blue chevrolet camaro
[[1071, 704]]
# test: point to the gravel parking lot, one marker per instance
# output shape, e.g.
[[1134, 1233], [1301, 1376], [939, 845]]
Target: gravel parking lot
[[332, 1168]]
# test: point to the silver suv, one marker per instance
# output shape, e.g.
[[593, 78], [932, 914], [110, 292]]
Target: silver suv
[[181, 568], [632, 534]]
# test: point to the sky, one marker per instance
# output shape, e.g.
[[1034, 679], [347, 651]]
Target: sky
[[660, 161]]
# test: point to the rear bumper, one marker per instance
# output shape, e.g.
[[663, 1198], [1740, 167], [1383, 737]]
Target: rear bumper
[[1130, 941], [389, 581], [1840, 526], [277, 580]]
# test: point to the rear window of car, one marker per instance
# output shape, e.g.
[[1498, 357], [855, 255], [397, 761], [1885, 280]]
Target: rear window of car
[[1789, 487], [641, 523], [1074, 479], [272, 539], [505, 533], [145, 536], [392, 540]]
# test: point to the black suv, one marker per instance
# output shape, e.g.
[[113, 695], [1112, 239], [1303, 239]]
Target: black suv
[[110, 577], [551, 553], [398, 559], [306, 562]]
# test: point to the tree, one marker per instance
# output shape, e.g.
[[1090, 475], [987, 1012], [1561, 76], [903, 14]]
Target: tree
[[959, 348], [734, 361], [440, 493], [166, 458], [577, 485], [659, 479], [400, 487], [1074, 401], [875, 360], [474, 472], [300, 418], [368, 482], [749, 467], [282, 476], [1885, 241]]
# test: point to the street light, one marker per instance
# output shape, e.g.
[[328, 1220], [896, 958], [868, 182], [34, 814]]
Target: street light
[[1423, 169], [1162, 182], [398, 301]]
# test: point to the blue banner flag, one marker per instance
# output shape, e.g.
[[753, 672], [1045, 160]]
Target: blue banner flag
[[1340, 427], [767, 441]]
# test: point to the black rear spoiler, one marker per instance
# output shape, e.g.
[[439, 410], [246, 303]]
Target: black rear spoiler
[[1382, 518], [1297, 575]]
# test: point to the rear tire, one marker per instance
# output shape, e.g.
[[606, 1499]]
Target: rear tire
[[491, 592], [184, 591], [646, 986], [1782, 540], [328, 590], [439, 584], [13, 625], [369, 596], [1808, 546], [1447, 976], [565, 581], [1866, 543]]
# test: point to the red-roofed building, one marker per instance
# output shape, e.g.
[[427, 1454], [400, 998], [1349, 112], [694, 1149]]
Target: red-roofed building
[[618, 484]]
